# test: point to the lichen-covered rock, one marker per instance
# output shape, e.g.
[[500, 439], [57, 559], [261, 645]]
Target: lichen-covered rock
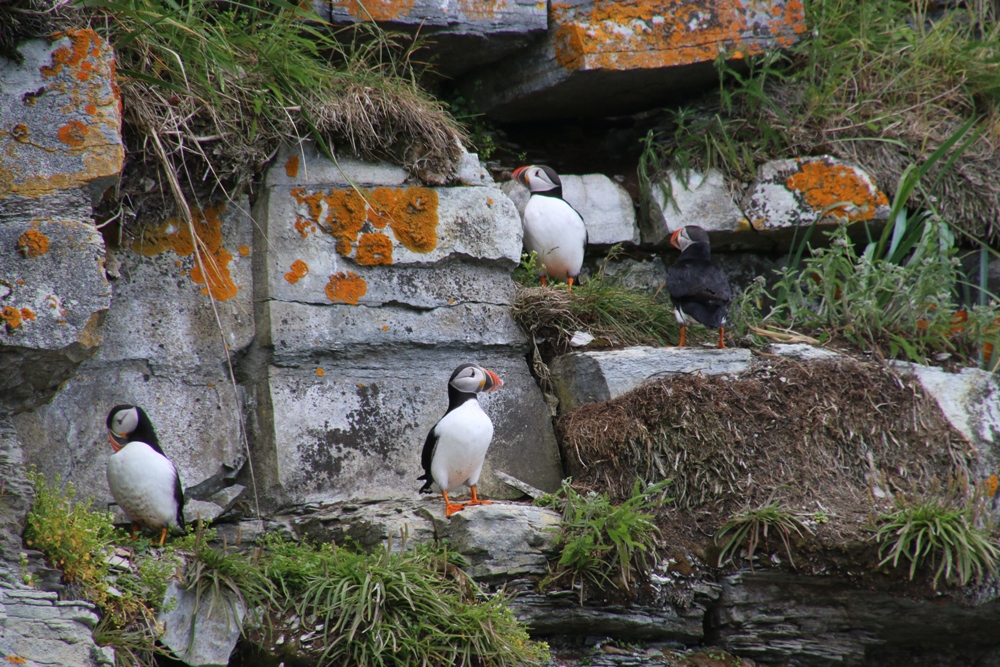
[[463, 33], [53, 301], [602, 57], [793, 194], [62, 115], [163, 351], [367, 300], [606, 208], [586, 377]]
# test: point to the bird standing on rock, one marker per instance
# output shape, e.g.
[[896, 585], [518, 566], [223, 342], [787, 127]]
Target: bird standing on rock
[[143, 481], [552, 228], [456, 447], [699, 289]]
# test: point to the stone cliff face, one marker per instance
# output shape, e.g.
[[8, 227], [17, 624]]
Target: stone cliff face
[[302, 361]]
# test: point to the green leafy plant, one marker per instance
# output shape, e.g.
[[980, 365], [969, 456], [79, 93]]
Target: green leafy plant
[[941, 532], [749, 527], [602, 544]]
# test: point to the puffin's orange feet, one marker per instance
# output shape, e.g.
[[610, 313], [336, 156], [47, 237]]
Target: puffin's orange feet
[[163, 535], [545, 280], [450, 507], [683, 340], [569, 281], [135, 531], [722, 338], [475, 499]]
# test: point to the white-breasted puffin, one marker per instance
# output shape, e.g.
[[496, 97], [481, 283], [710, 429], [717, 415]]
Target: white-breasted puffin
[[456, 447], [143, 481], [552, 228], [699, 289]]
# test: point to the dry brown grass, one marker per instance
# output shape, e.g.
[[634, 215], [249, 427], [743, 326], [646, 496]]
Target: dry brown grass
[[821, 436]]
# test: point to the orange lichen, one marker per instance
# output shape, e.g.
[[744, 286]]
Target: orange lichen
[[992, 483], [90, 109], [374, 249], [16, 660], [11, 316], [480, 10], [21, 133], [244, 250], [825, 185], [33, 243], [174, 234], [416, 219], [73, 55], [73, 133], [292, 166], [346, 287], [28, 314], [645, 34], [377, 10], [320, 372], [299, 270]]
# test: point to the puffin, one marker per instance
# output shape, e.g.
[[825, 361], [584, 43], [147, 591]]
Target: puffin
[[456, 447], [143, 481], [552, 228], [699, 290]]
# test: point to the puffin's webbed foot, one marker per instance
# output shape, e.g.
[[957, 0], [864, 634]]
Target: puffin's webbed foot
[[475, 498], [722, 338], [450, 507]]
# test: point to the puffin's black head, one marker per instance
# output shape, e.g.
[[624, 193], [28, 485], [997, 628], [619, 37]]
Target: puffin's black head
[[685, 236], [127, 423], [538, 178], [472, 379]]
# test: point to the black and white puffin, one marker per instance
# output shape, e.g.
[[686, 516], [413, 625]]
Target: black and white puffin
[[456, 447], [552, 228], [143, 481], [699, 289]]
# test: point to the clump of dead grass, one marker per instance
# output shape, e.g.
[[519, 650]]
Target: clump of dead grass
[[210, 90], [831, 432], [882, 85]]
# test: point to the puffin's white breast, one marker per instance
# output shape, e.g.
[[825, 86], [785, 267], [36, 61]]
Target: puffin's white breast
[[142, 482], [464, 435], [554, 230]]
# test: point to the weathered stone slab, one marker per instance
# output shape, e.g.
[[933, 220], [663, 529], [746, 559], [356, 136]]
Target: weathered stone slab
[[463, 33], [161, 312], [649, 276], [355, 430], [53, 301], [606, 208], [793, 194], [501, 540], [201, 630], [61, 113], [303, 164], [406, 245], [970, 400], [699, 199], [803, 352], [587, 377], [601, 57]]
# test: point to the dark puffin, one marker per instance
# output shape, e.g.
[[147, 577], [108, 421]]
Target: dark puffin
[[456, 447], [552, 228], [699, 290], [143, 481]]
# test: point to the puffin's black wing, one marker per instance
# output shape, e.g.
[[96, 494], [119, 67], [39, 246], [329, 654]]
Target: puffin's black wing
[[701, 291], [179, 497], [425, 459]]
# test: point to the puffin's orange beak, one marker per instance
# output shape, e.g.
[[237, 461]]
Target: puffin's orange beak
[[115, 445], [673, 238], [497, 382], [516, 175]]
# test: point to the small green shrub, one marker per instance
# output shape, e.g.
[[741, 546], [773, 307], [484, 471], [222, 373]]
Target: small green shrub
[[602, 544], [751, 526], [941, 532]]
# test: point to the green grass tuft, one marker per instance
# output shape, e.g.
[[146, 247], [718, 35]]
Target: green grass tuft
[[750, 527], [604, 545], [942, 533]]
